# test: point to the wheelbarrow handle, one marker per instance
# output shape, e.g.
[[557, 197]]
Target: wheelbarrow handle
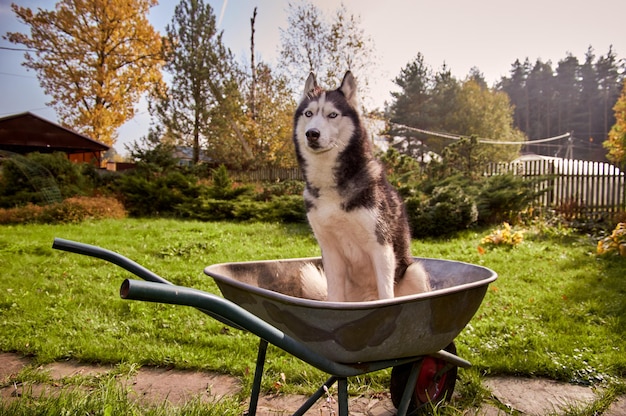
[[110, 256], [126, 264]]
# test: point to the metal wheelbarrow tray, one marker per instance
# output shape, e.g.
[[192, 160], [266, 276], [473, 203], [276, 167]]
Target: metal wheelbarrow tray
[[414, 334]]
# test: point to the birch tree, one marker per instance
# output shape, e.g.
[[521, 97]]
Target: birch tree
[[327, 46]]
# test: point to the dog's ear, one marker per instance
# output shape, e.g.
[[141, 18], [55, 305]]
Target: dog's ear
[[349, 90], [310, 85]]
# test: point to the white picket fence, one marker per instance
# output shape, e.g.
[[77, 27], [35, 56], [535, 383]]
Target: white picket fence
[[576, 188]]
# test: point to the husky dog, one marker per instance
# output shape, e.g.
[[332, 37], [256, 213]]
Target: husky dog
[[357, 217]]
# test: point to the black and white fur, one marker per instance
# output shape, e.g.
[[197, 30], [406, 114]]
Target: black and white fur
[[357, 217]]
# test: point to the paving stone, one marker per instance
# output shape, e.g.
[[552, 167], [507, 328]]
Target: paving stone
[[539, 396], [157, 385], [617, 408], [10, 365]]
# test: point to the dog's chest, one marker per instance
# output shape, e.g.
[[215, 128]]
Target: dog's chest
[[330, 221]]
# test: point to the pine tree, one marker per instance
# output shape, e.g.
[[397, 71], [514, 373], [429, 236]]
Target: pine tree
[[515, 87], [200, 107], [576, 97], [567, 92]]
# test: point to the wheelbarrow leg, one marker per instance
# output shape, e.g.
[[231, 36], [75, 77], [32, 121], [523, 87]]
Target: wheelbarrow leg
[[342, 391], [316, 396], [258, 375], [409, 388]]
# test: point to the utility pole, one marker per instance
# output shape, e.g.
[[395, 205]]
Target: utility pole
[[569, 153], [253, 69]]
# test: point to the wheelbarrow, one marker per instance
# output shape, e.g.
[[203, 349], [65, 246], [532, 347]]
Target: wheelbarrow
[[413, 335]]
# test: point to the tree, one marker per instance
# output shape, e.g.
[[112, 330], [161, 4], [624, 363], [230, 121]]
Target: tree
[[350, 49], [314, 43], [576, 97], [588, 95], [94, 58], [202, 105], [567, 91], [268, 128], [440, 103], [269, 112], [539, 85], [485, 113], [413, 105], [616, 144], [410, 104], [608, 75], [515, 87], [303, 49]]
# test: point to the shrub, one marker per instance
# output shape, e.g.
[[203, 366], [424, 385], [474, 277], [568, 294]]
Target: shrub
[[615, 244], [223, 188], [145, 196], [99, 207], [448, 210], [71, 210], [403, 171], [288, 208], [27, 179], [29, 213], [207, 209], [279, 189], [503, 197]]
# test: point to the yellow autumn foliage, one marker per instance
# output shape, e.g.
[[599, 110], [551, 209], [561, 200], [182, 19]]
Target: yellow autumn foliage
[[615, 243], [95, 58], [504, 236]]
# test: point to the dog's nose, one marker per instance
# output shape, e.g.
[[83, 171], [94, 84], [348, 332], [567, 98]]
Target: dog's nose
[[313, 134]]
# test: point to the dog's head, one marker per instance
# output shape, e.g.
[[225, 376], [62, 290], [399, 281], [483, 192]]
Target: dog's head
[[326, 120]]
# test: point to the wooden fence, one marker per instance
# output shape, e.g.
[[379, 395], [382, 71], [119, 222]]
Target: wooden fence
[[574, 188], [268, 175]]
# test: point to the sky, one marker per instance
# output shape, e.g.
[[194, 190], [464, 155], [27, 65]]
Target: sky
[[487, 34]]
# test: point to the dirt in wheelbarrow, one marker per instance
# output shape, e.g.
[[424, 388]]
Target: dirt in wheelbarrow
[[155, 386]]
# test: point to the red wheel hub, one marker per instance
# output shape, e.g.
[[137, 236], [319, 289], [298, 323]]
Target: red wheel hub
[[431, 380]]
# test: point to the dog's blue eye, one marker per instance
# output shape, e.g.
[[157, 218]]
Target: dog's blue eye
[[333, 115], [308, 113]]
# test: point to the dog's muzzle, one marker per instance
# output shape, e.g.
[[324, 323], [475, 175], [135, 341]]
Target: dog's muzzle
[[312, 137]]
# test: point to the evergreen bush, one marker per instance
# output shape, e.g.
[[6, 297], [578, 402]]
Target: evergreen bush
[[223, 187], [19, 187], [449, 209], [156, 195], [503, 197]]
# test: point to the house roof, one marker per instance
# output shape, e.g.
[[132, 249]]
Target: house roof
[[26, 132]]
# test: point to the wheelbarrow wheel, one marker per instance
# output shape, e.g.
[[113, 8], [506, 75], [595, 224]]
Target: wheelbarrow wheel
[[434, 384]]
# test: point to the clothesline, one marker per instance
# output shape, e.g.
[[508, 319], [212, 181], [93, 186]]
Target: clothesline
[[480, 140]]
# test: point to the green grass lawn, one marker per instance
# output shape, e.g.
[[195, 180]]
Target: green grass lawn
[[556, 310]]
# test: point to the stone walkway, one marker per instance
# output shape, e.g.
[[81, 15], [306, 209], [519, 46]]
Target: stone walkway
[[155, 386]]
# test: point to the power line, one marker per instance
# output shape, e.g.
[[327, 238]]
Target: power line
[[486, 141], [6, 48], [17, 75]]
